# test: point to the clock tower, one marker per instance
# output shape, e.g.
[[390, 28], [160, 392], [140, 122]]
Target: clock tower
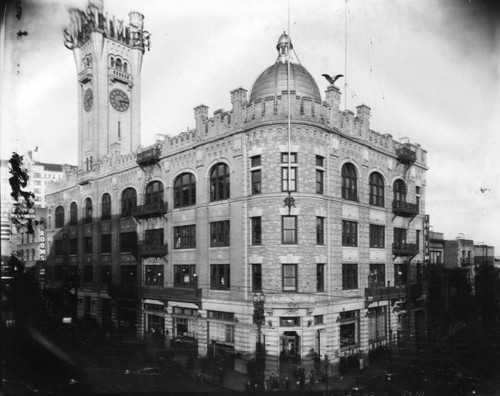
[[108, 55]]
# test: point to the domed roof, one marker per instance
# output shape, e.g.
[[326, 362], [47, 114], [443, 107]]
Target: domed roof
[[273, 80]]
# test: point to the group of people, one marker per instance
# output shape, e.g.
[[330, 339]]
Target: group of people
[[274, 383]]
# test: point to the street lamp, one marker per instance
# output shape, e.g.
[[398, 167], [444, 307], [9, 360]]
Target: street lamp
[[259, 319]]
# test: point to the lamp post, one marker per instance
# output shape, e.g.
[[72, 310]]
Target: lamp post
[[259, 319]]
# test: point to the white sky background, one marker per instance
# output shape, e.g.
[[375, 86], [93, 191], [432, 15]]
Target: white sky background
[[428, 69]]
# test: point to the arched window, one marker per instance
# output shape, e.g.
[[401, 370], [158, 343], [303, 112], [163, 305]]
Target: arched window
[[59, 217], [73, 213], [87, 215], [119, 64], [154, 193], [129, 201], [399, 191], [184, 190], [125, 67], [376, 189], [219, 182], [349, 182], [106, 207], [112, 62]]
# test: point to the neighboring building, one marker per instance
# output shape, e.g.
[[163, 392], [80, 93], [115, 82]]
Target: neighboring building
[[40, 174], [182, 236]]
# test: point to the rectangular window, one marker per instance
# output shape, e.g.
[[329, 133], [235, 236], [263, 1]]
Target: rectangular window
[[289, 229], [184, 275], [285, 186], [256, 181], [219, 233], [58, 247], [377, 236], [128, 242], [154, 236], [349, 328], [88, 245], [220, 315], [153, 275], [284, 179], [318, 319], [377, 323], [256, 278], [320, 278], [349, 276], [349, 233], [290, 321], [219, 277], [400, 274], [106, 274], [376, 277], [185, 237], [106, 243], [319, 181], [256, 231], [289, 275], [88, 273], [73, 246], [320, 230], [256, 175], [320, 161], [129, 275], [418, 239], [399, 236]]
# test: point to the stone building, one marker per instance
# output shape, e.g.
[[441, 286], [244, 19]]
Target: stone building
[[283, 222]]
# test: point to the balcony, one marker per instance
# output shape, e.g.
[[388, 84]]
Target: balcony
[[85, 75], [466, 262], [148, 156], [404, 209], [149, 249], [385, 293], [117, 75], [406, 155], [156, 209], [122, 290], [402, 249], [182, 294]]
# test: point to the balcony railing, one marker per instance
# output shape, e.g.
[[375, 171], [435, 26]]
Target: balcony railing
[[182, 294], [148, 156], [156, 209], [122, 290], [404, 249], [117, 75], [404, 209], [385, 293], [406, 155], [148, 249]]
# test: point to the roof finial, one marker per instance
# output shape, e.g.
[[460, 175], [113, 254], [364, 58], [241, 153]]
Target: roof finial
[[284, 46]]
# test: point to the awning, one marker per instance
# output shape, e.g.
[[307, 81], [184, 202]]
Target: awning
[[148, 301], [182, 305]]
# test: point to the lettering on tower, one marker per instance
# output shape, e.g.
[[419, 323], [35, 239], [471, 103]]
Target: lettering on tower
[[93, 19]]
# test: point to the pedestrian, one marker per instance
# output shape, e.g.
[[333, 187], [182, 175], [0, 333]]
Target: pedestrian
[[287, 384], [312, 380], [302, 382], [221, 375]]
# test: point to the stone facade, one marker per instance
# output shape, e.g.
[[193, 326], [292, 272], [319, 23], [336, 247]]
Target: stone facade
[[300, 324]]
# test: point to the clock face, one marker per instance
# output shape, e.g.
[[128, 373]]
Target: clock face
[[119, 100], [88, 99]]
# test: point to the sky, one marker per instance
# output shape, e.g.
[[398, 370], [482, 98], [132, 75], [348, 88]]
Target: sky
[[429, 70]]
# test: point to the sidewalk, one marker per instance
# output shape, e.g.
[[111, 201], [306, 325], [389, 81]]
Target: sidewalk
[[235, 381]]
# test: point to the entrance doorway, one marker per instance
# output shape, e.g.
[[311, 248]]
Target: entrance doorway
[[290, 346]]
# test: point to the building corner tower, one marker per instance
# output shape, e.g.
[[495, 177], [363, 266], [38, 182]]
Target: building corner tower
[[108, 56]]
